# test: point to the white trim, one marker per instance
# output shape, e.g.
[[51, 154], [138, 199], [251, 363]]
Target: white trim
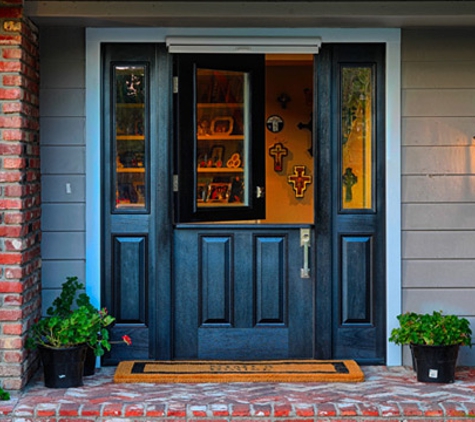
[[244, 45], [392, 38]]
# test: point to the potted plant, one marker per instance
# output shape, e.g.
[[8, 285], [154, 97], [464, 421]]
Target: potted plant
[[64, 335], [434, 340]]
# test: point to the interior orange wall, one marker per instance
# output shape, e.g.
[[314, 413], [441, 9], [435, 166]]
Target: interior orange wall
[[281, 204]]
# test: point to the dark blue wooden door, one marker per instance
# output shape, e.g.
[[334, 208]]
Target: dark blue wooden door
[[239, 294]]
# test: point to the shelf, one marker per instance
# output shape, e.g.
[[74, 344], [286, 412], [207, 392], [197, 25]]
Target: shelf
[[131, 105], [221, 138], [219, 204], [131, 170], [130, 137], [220, 170], [220, 105]]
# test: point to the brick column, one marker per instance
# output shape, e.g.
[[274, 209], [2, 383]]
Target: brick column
[[20, 206]]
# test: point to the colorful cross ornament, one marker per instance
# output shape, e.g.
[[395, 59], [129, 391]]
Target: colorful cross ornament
[[300, 180], [278, 152]]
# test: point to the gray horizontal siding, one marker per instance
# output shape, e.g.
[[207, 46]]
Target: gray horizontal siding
[[438, 273], [438, 131], [444, 216], [63, 217], [438, 188], [438, 102], [453, 160], [62, 130], [54, 188], [54, 272], [62, 136], [63, 160], [438, 173]]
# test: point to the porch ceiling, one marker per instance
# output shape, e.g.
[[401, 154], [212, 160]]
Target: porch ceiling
[[255, 13]]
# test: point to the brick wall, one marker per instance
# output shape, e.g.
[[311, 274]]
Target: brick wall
[[20, 201]]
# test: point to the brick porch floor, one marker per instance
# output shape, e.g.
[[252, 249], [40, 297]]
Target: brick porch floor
[[387, 394]]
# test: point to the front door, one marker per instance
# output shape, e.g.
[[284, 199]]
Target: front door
[[268, 241]]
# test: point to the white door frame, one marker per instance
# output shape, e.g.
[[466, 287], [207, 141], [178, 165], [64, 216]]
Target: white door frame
[[392, 39]]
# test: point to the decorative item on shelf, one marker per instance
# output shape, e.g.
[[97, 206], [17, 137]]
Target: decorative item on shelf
[[283, 99], [275, 123], [434, 340], [217, 154], [278, 152], [64, 335], [308, 126], [222, 125], [236, 194], [204, 127], [235, 161], [202, 192], [349, 179], [300, 180]]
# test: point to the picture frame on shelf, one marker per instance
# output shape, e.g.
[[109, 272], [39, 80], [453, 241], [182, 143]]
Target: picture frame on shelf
[[222, 126], [219, 192]]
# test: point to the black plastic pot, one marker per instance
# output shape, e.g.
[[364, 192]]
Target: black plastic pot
[[63, 367], [89, 362], [435, 363]]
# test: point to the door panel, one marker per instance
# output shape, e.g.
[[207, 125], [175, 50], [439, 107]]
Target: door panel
[[242, 297], [136, 199], [220, 135], [358, 238]]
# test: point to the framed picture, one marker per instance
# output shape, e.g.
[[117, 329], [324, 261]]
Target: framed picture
[[222, 125], [219, 192]]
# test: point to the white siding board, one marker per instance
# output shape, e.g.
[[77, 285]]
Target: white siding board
[[438, 102], [438, 74], [438, 216], [63, 160], [438, 160], [438, 188], [438, 131], [62, 130], [438, 273], [63, 217], [438, 245]]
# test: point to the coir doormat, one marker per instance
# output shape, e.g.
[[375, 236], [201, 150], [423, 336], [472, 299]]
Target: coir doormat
[[239, 371]]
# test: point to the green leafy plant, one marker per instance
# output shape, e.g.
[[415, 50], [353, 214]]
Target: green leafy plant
[[431, 329], [4, 395], [71, 322]]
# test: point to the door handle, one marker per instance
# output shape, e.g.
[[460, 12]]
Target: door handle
[[305, 243]]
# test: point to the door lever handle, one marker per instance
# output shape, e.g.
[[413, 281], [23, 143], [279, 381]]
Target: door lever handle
[[305, 243]]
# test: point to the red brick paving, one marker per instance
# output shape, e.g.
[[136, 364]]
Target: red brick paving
[[388, 394]]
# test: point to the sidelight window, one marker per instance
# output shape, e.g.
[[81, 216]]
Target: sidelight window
[[130, 150]]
